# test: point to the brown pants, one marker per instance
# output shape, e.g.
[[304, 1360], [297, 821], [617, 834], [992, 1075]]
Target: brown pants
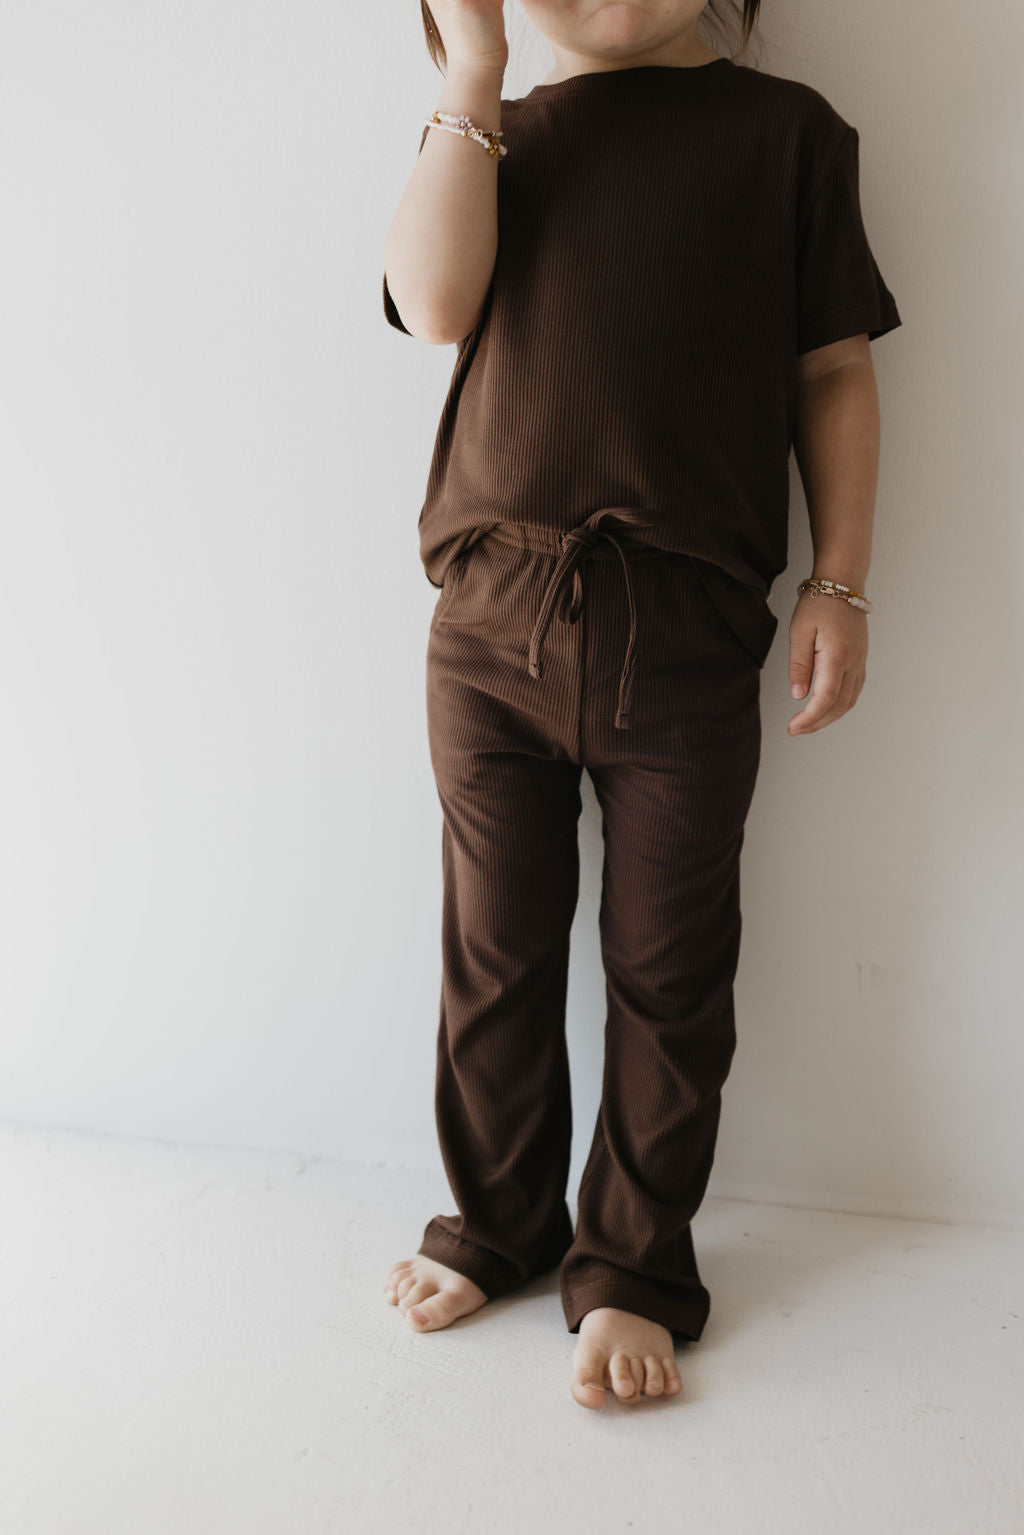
[[549, 654]]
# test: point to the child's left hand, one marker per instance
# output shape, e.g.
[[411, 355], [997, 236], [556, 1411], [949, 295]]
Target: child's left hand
[[828, 637]]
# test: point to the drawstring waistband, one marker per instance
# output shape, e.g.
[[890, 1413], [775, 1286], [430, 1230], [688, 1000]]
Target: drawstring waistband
[[573, 545]]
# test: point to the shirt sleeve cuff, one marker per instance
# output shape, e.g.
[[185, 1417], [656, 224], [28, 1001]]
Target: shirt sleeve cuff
[[876, 316]]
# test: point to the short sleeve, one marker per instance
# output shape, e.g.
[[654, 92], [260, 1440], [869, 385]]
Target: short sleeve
[[840, 291], [390, 312]]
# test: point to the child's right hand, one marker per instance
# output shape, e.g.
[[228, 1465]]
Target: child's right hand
[[473, 33]]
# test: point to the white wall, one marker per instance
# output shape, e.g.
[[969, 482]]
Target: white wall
[[220, 867]]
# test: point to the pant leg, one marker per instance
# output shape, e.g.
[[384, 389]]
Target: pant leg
[[674, 791], [509, 790]]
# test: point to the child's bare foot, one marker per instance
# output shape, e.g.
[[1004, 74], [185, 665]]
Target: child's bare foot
[[430, 1295], [634, 1354]]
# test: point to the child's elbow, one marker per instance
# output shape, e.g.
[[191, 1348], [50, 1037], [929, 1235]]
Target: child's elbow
[[438, 333], [439, 327], [435, 320]]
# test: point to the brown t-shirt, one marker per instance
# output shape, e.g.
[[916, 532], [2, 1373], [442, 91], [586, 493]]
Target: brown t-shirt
[[669, 241]]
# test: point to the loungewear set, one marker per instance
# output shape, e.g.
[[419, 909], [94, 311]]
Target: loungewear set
[[606, 511]]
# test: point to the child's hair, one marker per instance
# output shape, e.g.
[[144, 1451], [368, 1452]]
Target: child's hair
[[722, 21]]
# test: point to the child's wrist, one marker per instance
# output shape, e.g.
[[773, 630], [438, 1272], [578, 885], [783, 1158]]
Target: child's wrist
[[837, 570], [466, 74]]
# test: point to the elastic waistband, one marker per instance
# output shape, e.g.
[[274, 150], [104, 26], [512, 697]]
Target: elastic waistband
[[550, 541]]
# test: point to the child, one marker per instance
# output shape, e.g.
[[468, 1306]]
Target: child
[[656, 273]]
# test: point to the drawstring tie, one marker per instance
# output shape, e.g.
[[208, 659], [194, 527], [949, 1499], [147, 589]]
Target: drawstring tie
[[574, 544]]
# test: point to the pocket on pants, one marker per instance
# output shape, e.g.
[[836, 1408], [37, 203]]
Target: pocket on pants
[[454, 580], [742, 608], [450, 582]]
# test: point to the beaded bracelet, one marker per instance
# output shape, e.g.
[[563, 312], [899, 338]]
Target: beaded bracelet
[[461, 124], [818, 587]]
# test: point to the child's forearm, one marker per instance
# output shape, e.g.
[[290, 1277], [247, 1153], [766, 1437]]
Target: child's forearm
[[443, 239], [837, 448]]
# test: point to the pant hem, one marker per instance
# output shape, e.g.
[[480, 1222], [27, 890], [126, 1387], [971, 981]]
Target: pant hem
[[684, 1317], [489, 1270]]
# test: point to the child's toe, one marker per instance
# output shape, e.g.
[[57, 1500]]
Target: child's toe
[[654, 1381], [624, 1372], [588, 1385], [672, 1380]]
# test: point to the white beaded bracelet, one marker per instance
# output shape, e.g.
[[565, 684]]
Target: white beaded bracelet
[[817, 586], [461, 124]]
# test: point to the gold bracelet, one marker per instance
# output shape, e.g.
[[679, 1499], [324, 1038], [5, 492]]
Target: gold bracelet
[[817, 587], [461, 124]]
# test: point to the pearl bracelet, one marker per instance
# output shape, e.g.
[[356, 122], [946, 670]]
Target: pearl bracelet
[[461, 124], [818, 587]]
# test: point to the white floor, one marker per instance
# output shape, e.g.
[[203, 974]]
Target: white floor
[[196, 1341]]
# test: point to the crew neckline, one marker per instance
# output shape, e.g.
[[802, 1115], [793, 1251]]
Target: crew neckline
[[578, 81]]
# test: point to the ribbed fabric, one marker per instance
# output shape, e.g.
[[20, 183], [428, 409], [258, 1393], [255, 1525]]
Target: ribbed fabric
[[508, 750], [669, 241], [606, 510]]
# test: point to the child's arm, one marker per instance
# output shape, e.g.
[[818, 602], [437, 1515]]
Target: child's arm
[[443, 239], [836, 442]]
